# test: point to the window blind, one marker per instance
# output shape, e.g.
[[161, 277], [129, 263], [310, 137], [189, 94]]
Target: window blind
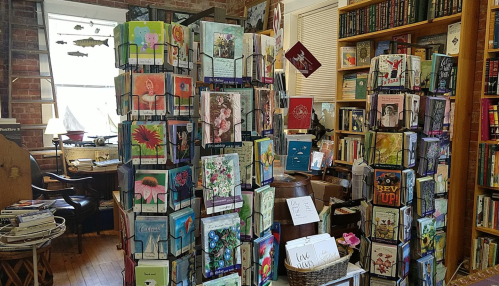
[[318, 32]]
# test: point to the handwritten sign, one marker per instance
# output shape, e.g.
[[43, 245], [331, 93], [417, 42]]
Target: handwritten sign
[[302, 210]]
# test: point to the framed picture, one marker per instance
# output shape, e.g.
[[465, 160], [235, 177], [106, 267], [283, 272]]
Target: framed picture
[[178, 17], [137, 13], [257, 14]]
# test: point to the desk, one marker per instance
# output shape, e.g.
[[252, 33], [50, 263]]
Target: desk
[[105, 180]]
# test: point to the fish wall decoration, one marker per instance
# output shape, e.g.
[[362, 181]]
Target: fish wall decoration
[[77, 54], [90, 42], [78, 27], [61, 42]]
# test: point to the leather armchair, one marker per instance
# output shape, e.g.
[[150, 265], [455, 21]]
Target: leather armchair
[[74, 203]]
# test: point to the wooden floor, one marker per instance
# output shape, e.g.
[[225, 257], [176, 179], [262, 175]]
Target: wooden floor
[[100, 264]]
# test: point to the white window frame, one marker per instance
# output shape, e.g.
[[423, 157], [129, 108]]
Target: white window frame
[[71, 9]]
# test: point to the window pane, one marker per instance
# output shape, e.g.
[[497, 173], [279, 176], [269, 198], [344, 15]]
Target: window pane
[[97, 67]]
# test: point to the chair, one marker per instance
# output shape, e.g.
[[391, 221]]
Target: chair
[[74, 207]]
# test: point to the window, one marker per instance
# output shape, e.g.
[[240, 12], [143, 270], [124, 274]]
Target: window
[[84, 76], [318, 32]]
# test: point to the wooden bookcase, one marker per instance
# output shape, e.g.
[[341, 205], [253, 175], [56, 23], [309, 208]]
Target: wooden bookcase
[[462, 113], [480, 190]]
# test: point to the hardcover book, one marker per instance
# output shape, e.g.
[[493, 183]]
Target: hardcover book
[[221, 45], [150, 191], [151, 237], [425, 191], [264, 161], [385, 224], [247, 99], [221, 113], [298, 156], [180, 39], [152, 272], [390, 110], [148, 94], [348, 56], [264, 101], [391, 71], [387, 188], [148, 142], [221, 183], [263, 249], [146, 40], [388, 149], [180, 187], [184, 271], [384, 259], [357, 120], [182, 231], [300, 112], [365, 52], [220, 242]]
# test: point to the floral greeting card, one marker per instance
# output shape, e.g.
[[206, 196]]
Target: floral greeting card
[[181, 187], [148, 142], [180, 39], [264, 250], [148, 94], [221, 113], [221, 183], [150, 191]]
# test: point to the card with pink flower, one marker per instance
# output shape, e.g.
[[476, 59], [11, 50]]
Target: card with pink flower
[[221, 113], [150, 191], [148, 142]]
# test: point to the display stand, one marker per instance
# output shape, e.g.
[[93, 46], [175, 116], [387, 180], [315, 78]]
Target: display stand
[[34, 243]]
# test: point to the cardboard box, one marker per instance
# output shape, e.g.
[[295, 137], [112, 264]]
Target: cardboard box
[[323, 191]]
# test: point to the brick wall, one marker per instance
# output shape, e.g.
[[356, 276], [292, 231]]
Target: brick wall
[[475, 123]]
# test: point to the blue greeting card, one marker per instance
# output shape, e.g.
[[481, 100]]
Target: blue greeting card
[[181, 230], [151, 236], [298, 156]]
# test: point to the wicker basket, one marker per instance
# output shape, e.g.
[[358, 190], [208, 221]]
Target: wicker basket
[[318, 275]]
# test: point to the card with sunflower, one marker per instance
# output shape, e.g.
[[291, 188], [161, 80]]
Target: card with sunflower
[[148, 141]]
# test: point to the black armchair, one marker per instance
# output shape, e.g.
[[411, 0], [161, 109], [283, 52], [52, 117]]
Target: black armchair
[[75, 203]]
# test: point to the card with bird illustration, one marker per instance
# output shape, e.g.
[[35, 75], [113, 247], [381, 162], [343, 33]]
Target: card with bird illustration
[[148, 94]]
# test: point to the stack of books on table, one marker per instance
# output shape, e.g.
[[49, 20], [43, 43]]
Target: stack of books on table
[[84, 164], [30, 226], [27, 206]]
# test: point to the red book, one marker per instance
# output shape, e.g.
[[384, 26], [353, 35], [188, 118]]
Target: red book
[[302, 59], [406, 38], [300, 112], [486, 118]]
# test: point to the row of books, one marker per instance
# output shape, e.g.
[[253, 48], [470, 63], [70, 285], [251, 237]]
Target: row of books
[[354, 86], [352, 119], [394, 13], [350, 148], [489, 120], [494, 30], [487, 208], [488, 165], [29, 226], [491, 76], [484, 253]]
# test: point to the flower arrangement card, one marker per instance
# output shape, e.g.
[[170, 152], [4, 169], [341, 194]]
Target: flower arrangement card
[[146, 40], [245, 162], [247, 113], [148, 94], [384, 259], [181, 40], [151, 237], [148, 142], [150, 191], [220, 240], [221, 183], [302, 210], [221, 113], [300, 112], [222, 48], [180, 187]]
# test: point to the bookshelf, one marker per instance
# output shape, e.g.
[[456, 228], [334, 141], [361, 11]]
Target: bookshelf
[[462, 113], [480, 190]]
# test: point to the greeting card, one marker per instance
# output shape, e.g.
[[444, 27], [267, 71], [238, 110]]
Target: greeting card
[[150, 191], [300, 112], [148, 94], [148, 142], [302, 59]]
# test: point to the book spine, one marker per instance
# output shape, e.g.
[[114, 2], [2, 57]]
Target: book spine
[[485, 164], [392, 13], [493, 87], [479, 210], [491, 73], [406, 11], [489, 166], [460, 6], [445, 6], [395, 14], [487, 119], [487, 78], [378, 17], [495, 123], [382, 16], [486, 201]]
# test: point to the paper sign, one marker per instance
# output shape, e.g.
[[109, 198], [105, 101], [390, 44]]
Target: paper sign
[[302, 210], [302, 59], [278, 40]]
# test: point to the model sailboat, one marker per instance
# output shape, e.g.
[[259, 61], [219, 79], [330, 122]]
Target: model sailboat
[[75, 129]]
